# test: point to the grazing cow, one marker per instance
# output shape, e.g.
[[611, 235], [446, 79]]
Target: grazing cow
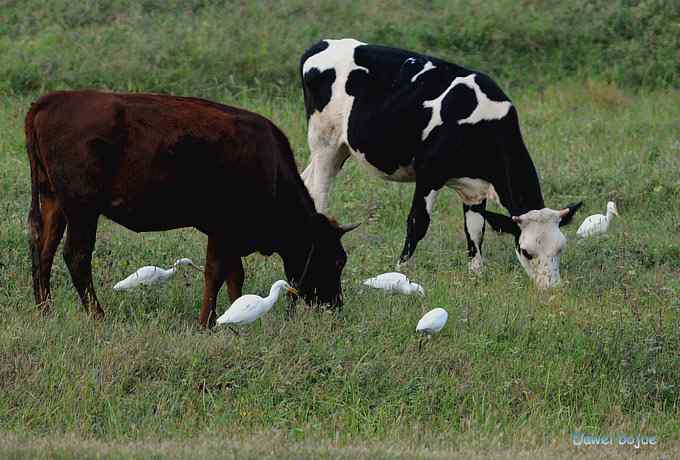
[[154, 162], [407, 117]]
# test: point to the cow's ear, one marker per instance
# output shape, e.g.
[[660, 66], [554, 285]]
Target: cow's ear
[[567, 214], [501, 223]]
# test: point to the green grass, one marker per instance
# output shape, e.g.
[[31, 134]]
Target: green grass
[[515, 368]]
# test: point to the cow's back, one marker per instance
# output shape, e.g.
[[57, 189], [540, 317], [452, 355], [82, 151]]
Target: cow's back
[[155, 162], [388, 105]]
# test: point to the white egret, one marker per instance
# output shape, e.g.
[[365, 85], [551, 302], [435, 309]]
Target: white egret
[[432, 322], [396, 283], [250, 307], [150, 275], [597, 224]]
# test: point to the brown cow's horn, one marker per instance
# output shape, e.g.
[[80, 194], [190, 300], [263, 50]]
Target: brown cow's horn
[[344, 228]]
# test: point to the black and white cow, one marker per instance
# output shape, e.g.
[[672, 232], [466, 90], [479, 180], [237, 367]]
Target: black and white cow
[[408, 117]]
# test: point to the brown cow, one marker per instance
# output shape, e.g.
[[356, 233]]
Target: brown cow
[[156, 162]]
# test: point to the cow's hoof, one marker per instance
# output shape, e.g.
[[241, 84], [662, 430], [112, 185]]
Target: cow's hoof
[[475, 265], [404, 264]]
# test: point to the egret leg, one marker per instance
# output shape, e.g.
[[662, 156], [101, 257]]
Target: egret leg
[[234, 331]]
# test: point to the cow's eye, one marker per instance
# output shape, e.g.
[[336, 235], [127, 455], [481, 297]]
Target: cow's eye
[[526, 254]]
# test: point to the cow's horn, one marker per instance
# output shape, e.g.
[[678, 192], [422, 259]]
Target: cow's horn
[[344, 228]]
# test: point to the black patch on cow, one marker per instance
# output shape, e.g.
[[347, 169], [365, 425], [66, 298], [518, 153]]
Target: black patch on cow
[[458, 104], [316, 85], [387, 118], [409, 68], [318, 89]]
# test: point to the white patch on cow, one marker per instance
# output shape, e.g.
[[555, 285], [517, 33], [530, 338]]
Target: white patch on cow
[[429, 201], [542, 239], [428, 66], [486, 108], [336, 52], [471, 191]]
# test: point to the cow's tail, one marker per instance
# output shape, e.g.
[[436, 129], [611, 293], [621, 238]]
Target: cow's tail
[[33, 151], [35, 214]]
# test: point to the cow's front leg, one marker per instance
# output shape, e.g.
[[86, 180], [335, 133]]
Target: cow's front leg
[[474, 232], [418, 221], [219, 265]]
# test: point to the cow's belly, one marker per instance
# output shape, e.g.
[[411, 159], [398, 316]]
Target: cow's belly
[[401, 174], [471, 191]]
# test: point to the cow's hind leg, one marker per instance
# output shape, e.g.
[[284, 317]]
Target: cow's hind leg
[[219, 265], [46, 224], [474, 232], [80, 238], [327, 156]]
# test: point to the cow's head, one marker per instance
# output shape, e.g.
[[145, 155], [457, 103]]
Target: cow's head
[[538, 239], [316, 273]]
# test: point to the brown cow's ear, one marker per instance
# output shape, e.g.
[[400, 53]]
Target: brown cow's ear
[[342, 229], [501, 223], [568, 212]]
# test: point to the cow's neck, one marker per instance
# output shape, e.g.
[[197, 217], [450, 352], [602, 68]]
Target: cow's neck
[[295, 209], [517, 183]]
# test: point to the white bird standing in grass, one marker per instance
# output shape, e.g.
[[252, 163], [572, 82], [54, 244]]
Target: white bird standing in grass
[[432, 322], [395, 282], [250, 307], [150, 275], [597, 224]]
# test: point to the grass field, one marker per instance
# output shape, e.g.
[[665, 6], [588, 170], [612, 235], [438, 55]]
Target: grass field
[[515, 371]]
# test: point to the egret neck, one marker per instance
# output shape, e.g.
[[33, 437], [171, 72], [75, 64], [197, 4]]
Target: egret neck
[[274, 293]]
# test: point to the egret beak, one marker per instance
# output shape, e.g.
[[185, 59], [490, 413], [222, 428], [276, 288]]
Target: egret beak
[[292, 290], [616, 212], [200, 269]]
